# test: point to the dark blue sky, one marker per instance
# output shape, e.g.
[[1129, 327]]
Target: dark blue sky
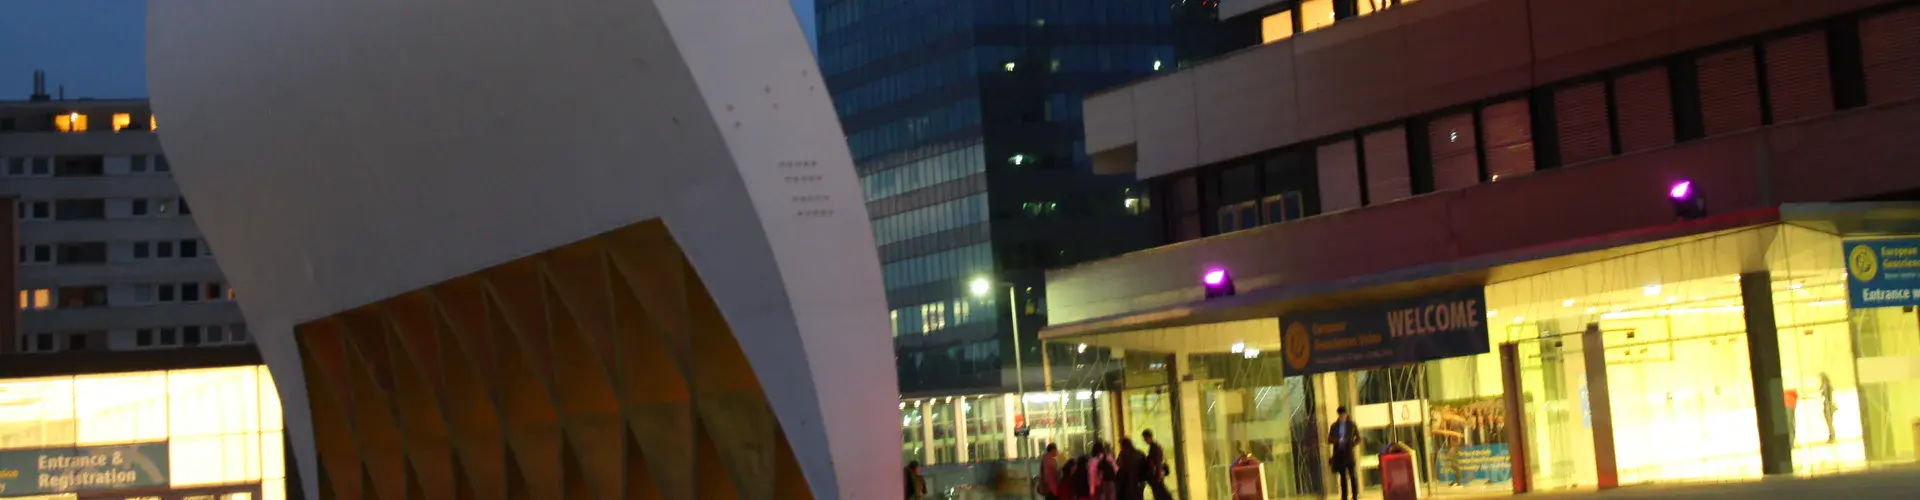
[[97, 48]]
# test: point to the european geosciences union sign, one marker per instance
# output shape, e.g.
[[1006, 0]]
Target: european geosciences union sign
[[86, 468], [1406, 331], [1883, 273]]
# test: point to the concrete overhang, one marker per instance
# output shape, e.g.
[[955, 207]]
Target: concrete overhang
[[1271, 300]]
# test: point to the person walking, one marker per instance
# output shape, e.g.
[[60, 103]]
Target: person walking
[[1344, 436], [1102, 473], [916, 484], [1133, 472], [1157, 470], [1827, 405], [1050, 473]]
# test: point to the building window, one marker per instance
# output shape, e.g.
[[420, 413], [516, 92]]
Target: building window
[[1243, 215], [189, 248], [36, 254], [38, 342], [164, 250], [137, 164], [1134, 202], [76, 341], [166, 293], [1276, 27], [21, 166], [36, 299], [139, 208], [143, 294], [142, 250], [143, 337], [153, 123], [1283, 207], [121, 121], [1315, 14], [1506, 130], [70, 122], [36, 210], [1451, 141], [160, 164], [1889, 58]]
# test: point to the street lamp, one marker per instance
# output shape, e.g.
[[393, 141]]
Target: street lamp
[[980, 287]]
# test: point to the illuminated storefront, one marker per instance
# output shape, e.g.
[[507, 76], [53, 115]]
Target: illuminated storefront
[[982, 428], [197, 434], [1675, 323]]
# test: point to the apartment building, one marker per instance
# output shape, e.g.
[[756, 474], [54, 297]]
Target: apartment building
[[109, 257]]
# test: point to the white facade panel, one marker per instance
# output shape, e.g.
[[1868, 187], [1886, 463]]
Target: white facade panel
[[440, 137]]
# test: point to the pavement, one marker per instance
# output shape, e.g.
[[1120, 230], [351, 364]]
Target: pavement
[[1901, 482]]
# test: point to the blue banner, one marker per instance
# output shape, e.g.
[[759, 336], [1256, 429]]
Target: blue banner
[[62, 470], [1466, 464], [1883, 273], [1405, 331]]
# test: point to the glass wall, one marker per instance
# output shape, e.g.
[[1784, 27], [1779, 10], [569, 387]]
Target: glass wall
[[1250, 409], [1681, 387], [218, 426]]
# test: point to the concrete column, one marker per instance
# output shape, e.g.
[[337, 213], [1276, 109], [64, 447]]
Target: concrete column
[[1190, 459], [926, 433], [1511, 397], [1600, 407], [960, 451], [1763, 360]]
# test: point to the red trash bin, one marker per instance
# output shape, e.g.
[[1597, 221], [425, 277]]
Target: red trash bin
[[1248, 479], [1397, 481]]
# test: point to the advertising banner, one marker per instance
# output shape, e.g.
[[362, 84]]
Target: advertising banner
[[1883, 273], [1405, 331], [1467, 464], [63, 470]]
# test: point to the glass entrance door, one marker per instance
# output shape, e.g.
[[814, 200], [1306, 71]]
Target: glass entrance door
[[1558, 423]]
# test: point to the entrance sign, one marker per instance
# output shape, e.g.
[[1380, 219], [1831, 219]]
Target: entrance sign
[[1406, 331], [1883, 273], [69, 469]]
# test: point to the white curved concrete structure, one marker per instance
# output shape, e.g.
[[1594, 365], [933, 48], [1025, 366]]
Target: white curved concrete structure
[[341, 152]]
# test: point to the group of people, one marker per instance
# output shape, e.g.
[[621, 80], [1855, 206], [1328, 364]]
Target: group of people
[[1100, 475]]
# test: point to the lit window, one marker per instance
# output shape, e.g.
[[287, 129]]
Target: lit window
[[40, 298], [153, 123], [70, 122], [1315, 14], [1276, 27], [121, 121]]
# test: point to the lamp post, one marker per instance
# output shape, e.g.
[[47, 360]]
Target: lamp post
[[980, 287]]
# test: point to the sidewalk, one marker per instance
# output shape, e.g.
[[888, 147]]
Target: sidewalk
[[1901, 482]]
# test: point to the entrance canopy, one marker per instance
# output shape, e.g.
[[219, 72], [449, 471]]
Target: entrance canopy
[[1191, 323]]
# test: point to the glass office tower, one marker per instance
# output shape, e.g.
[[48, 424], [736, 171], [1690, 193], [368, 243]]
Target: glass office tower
[[964, 121]]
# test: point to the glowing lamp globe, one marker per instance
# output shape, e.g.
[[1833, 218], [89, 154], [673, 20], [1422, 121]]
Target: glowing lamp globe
[[1217, 283]]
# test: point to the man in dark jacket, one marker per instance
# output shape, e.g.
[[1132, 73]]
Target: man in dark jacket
[[1157, 469], [1344, 436]]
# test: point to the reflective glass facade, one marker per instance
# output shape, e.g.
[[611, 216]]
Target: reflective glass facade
[[161, 434], [964, 121]]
